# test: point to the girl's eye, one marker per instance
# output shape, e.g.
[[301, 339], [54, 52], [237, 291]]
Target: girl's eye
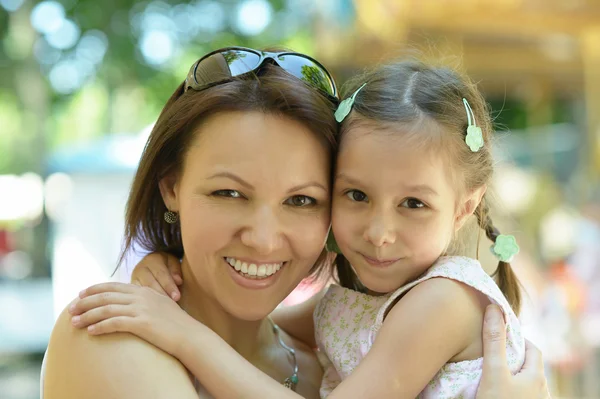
[[301, 201], [227, 193], [356, 195], [412, 203]]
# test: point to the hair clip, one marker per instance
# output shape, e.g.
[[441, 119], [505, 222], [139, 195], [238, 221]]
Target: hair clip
[[346, 106], [474, 137], [505, 248]]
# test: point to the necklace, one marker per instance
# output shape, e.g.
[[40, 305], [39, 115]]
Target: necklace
[[292, 381]]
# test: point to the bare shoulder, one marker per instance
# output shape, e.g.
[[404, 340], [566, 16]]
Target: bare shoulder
[[112, 366], [464, 304], [309, 368]]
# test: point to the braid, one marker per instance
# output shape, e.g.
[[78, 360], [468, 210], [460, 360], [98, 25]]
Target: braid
[[485, 221], [506, 278]]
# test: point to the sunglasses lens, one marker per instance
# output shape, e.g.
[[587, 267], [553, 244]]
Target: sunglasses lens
[[225, 65], [308, 71]]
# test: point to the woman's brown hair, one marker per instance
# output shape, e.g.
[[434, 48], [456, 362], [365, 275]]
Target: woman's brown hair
[[271, 91], [411, 93]]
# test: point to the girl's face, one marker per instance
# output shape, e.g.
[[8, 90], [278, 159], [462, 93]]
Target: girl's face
[[394, 207], [254, 204]]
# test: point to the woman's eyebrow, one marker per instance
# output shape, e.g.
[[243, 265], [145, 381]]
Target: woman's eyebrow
[[306, 185], [236, 178], [232, 176]]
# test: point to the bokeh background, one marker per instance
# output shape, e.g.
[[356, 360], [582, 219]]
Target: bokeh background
[[82, 81]]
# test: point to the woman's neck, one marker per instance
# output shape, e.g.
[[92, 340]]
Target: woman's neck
[[248, 338]]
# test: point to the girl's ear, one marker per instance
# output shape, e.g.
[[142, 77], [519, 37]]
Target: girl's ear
[[469, 204]]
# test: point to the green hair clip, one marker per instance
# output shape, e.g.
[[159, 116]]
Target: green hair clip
[[346, 106], [474, 137], [505, 248]]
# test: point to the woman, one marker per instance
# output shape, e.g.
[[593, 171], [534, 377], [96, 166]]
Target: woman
[[237, 167]]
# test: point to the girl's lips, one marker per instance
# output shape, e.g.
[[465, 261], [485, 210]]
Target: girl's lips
[[379, 262]]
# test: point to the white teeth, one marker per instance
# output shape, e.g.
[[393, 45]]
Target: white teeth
[[262, 271], [252, 270]]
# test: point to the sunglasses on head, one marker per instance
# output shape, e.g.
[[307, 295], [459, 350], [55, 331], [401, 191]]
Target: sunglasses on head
[[224, 64]]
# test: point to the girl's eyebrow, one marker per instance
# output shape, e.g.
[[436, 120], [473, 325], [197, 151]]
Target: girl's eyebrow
[[348, 179], [419, 188]]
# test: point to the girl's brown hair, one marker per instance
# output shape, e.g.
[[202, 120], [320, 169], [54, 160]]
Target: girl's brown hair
[[271, 91], [413, 94]]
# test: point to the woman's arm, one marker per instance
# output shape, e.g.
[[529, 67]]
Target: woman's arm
[[114, 366]]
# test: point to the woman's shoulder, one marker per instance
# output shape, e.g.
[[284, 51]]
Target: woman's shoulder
[[113, 365]]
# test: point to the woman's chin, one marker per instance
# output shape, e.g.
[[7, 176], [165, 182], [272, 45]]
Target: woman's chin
[[250, 311]]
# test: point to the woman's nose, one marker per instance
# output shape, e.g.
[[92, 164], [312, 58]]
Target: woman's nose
[[264, 233]]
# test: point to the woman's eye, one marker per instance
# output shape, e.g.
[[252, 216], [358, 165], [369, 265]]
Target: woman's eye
[[227, 193], [301, 200], [356, 195], [412, 203]]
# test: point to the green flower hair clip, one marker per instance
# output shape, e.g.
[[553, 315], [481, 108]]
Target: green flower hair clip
[[346, 106], [505, 248], [474, 137]]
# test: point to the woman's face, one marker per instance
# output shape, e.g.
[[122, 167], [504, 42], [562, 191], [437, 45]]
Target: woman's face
[[254, 205]]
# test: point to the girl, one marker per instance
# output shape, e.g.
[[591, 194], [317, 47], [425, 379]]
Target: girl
[[412, 169]]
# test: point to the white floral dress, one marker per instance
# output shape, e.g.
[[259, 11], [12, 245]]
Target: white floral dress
[[347, 323]]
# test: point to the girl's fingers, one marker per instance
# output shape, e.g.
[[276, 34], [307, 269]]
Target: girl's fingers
[[102, 313], [166, 281], [145, 278], [114, 324], [174, 266], [97, 300], [155, 286], [108, 287], [142, 276]]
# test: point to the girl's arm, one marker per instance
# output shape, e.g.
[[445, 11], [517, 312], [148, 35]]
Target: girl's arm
[[116, 308], [431, 325], [421, 333], [162, 273]]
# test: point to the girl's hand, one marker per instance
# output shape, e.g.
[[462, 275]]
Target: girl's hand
[[161, 272], [497, 382], [116, 307]]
